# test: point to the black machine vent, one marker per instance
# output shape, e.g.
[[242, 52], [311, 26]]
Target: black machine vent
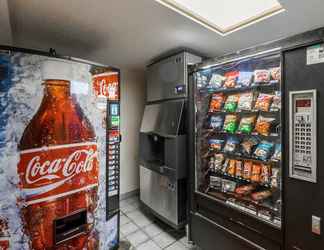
[[70, 226]]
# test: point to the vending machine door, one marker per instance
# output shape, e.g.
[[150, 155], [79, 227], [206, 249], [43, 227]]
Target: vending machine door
[[304, 179]]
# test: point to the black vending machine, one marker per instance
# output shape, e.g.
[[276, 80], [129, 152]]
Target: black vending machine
[[254, 180]]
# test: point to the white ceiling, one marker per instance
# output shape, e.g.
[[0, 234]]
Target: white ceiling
[[129, 33]]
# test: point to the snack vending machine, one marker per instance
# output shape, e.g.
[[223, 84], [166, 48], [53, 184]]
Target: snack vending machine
[[236, 124]]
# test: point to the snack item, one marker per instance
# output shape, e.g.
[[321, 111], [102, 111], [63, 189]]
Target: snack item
[[231, 145], [247, 170], [231, 167], [245, 189], [263, 150], [201, 80], [275, 74], [275, 178], [211, 163], [216, 81], [248, 144], [256, 172], [263, 102], [263, 125], [231, 103], [216, 102], [215, 144], [216, 122], [228, 186], [218, 161], [239, 169], [276, 101], [230, 124], [231, 79], [262, 195], [247, 124], [215, 182], [265, 174], [244, 78], [245, 101], [224, 167], [261, 76], [277, 153]]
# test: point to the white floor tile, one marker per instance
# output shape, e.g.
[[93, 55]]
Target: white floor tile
[[137, 238], [164, 240], [124, 220], [128, 208], [148, 245], [128, 228], [153, 230], [176, 246], [142, 221]]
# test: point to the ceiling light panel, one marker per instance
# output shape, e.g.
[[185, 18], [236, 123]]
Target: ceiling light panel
[[225, 16]]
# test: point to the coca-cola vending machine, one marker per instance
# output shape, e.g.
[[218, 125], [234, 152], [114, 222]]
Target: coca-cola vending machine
[[59, 152]]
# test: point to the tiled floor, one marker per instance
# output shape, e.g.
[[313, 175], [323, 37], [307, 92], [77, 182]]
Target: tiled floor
[[145, 232]]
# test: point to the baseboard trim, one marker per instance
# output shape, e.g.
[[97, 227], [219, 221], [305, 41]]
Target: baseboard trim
[[129, 194]]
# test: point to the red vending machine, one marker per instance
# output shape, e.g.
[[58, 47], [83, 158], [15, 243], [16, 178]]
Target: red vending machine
[[55, 135]]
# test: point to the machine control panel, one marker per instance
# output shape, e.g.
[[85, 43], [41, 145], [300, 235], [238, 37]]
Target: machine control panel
[[303, 162]]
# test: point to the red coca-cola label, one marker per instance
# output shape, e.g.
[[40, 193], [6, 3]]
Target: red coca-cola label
[[51, 172], [4, 244], [106, 85]]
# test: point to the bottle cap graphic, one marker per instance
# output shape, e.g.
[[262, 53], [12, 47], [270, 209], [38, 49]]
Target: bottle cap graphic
[[56, 69]]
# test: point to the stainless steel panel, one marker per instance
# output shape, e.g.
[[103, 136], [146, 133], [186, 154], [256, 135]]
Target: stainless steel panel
[[163, 118], [163, 78], [159, 193]]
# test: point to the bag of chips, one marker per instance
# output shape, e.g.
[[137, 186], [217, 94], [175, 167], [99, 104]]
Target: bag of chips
[[218, 161], [256, 172], [275, 178], [244, 78], [231, 79], [247, 124], [211, 163], [228, 186], [261, 76], [245, 101], [216, 122], [231, 145], [275, 74], [239, 169], [247, 170], [276, 102], [245, 189], [261, 195], [263, 102], [230, 170], [215, 144], [263, 150], [263, 125], [216, 81], [277, 153], [230, 124], [216, 102], [265, 174], [231, 103], [248, 145]]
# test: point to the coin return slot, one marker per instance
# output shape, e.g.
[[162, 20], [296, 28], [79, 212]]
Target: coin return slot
[[70, 226]]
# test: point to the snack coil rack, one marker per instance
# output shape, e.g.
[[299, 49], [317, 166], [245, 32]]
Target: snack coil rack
[[238, 136]]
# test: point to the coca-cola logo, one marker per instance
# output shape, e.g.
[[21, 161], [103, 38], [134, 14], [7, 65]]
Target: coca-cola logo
[[57, 171], [80, 161]]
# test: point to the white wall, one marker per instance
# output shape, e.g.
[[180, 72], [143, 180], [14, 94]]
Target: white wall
[[5, 28], [132, 108]]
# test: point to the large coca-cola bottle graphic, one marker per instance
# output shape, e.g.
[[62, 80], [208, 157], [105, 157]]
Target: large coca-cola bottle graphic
[[58, 166]]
